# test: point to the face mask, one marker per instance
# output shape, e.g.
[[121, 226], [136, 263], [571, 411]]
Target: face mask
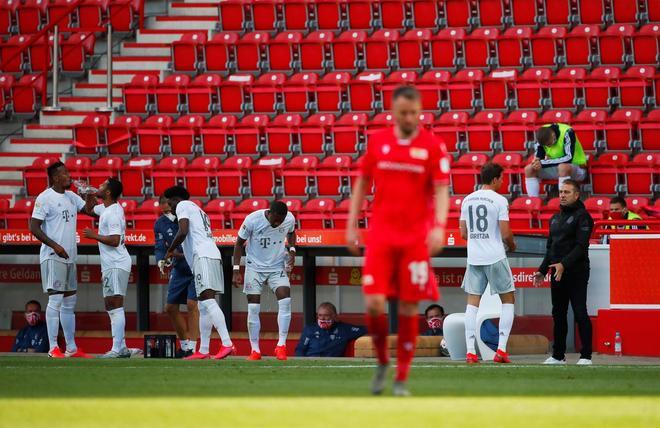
[[171, 216], [325, 324], [32, 318], [616, 215], [435, 322]]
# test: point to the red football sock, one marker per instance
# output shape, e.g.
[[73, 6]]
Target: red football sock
[[405, 350], [377, 326]]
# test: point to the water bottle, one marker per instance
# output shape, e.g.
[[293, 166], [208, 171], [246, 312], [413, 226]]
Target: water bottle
[[617, 344], [84, 188], [451, 240]]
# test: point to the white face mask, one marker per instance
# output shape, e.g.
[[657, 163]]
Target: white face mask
[[171, 216]]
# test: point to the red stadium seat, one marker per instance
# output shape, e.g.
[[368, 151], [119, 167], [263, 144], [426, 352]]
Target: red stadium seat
[[378, 122], [151, 135], [465, 172], [426, 13], [394, 80], [560, 12], [219, 211], [514, 47], [35, 175], [121, 134], [498, 89], [636, 87], [333, 176], [12, 60], [184, 134], [250, 134], [348, 133], [546, 45], [7, 15], [233, 176], [233, 15], [347, 48], [332, 92], [284, 51], [637, 204], [525, 12], [6, 82], [187, 51], [252, 52], [316, 50], [203, 94], [480, 48], [649, 129], [433, 87], [171, 94], [283, 134], [294, 206], [464, 88], [395, 14], [40, 54], [621, 129], [340, 215], [129, 207], [26, 94], [103, 168], [513, 169], [592, 11], [90, 134], [316, 133], [598, 207], [589, 127], [31, 16], [564, 88], [234, 93], [75, 52], [245, 208], [517, 131], [365, 91], [483, 131], [18, 216], [556, 116], [547, 211], [454, 214], [445, 46], [380, 50], [642, 176], [266, 14], [299, 92], [605, 172], [523, 213], [137, 94], [452, 128], [601, 87], [414, 49], [491, 13], [317, 214], [266, 175], [646, 45], [266, 93], [626, 10], [653, 9], [331, 14], [91, 12], [145, 215], [216, 134], [582, 45], [361, 13], [532, 88], [135, 176], [220, 52], [297, 14], [169, 172], [123, 14], [458, 13], [298, 175], [200, 176], [613, 43]]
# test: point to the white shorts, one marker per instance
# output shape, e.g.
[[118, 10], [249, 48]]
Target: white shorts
[[254, 281], [208, 275], [498, 275], [552, 172], [115, 282], [58, 276]]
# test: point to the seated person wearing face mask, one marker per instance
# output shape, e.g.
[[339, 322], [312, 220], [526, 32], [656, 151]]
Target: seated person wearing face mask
[[34, 336], [328, 337], [435, 316]]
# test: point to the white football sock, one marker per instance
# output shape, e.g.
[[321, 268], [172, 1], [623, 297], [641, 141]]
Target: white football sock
[[470, 327], [283, 319], [183, 344], [205, 328], [53, 318], [192, 344], [506, 322], [68, 321], [218, 319], [561, 180], [533, 186], [254, 325], [118, 328]]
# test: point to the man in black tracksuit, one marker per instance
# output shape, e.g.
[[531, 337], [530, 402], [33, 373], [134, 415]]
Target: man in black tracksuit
[[568, 258]]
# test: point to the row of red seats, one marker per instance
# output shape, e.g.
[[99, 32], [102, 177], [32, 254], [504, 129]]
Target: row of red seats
[[569, 88], [30, 16], [319, 213], [288, 134], [21, 96], [270, 15], [74, 50], [585, 45], [307, 176]]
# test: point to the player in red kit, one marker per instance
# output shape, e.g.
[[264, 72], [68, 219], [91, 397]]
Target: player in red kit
[[410, 168]]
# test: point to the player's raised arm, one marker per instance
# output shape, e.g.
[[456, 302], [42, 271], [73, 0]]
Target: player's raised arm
[[90, 203], [352, 235]]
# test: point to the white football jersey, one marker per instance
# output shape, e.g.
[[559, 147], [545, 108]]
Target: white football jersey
[[266, 245], [113, 222], [59, 213], [199, 241], [482, 211]]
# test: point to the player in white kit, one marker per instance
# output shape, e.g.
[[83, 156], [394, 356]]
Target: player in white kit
[[484, 223], [203, 256], [53, 222], [115, 263], [267, 233]]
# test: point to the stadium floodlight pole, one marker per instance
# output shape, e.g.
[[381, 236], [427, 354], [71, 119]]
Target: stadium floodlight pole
[[56, 71], [108, 106]]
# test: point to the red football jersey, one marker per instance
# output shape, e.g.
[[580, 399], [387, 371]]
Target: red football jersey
[[405, 173]]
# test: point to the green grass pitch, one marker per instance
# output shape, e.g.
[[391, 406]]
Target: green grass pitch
[[325, 393]]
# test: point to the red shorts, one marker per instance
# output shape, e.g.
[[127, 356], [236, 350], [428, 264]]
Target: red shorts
[[399, 272]]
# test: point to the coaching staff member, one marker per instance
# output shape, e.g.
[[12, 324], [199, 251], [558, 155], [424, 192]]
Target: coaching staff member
[[568, 258]]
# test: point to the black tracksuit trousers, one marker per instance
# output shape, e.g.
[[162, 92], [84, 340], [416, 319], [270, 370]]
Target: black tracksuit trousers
[[571, 289]]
